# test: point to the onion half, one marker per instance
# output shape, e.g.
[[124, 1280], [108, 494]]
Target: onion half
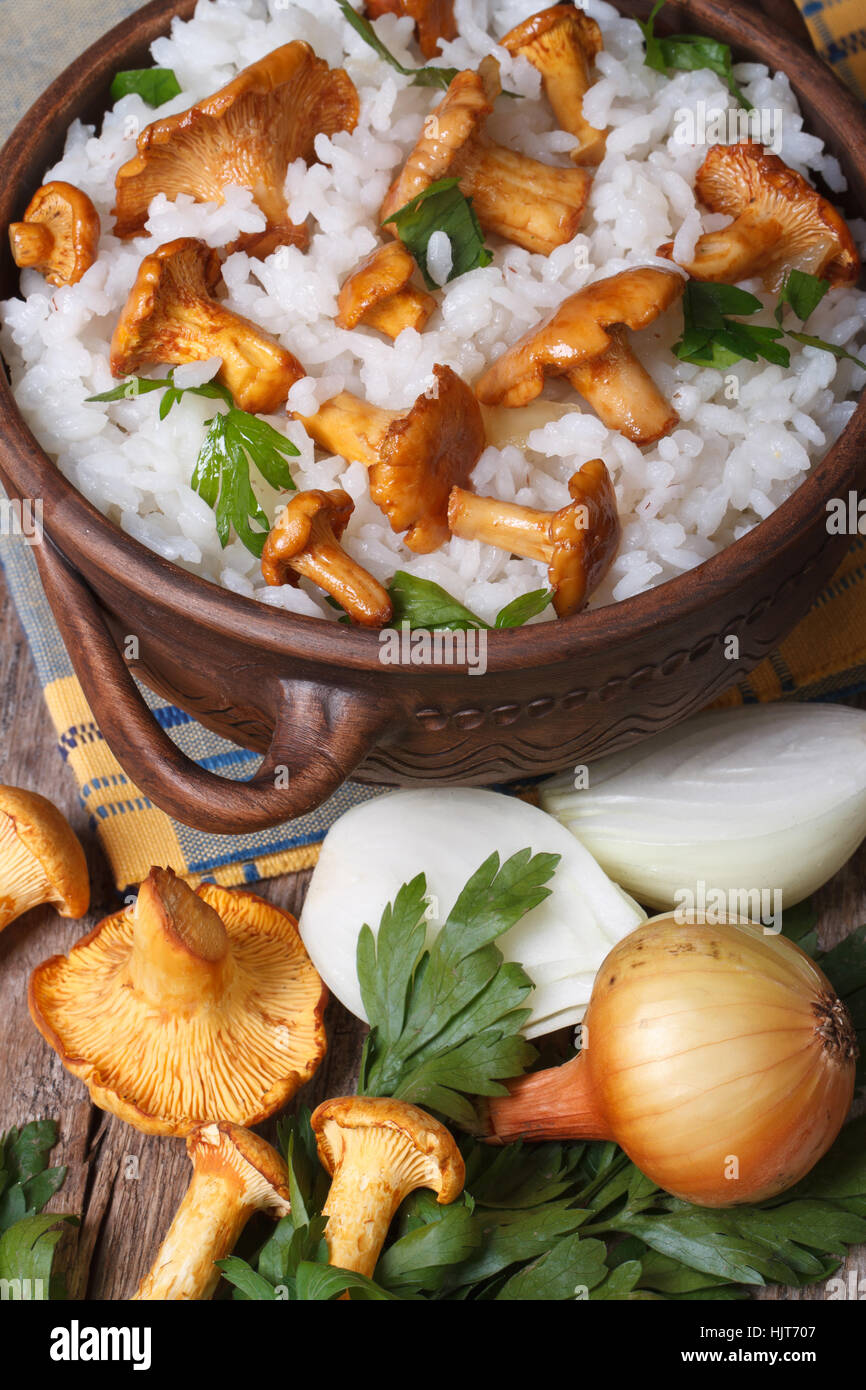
[[447, 834]]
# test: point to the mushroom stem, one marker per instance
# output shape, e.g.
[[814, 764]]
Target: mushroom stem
[[377, 1151], [328, 565], [359, 1218], [351, 427], [180, 954], [201, 329], [31, 243], [622, 393], [305, 541], [206, 1228], [561, 43], [522, 530], [410, 308], [235, 1173], [536, 206]]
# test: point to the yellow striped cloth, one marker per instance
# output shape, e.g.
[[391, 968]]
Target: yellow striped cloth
[[825, 655], [838, 30]]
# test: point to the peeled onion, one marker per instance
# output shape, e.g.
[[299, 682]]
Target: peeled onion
[[718, 1057], [447, 834], [767, 797]]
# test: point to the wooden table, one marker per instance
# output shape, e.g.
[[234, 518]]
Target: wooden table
[[123, 1185]]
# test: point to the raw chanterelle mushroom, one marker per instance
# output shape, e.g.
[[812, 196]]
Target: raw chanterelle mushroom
[[415, 457], [379, 294], [189, 1008], [780, 222], [578, 543], [306, 541], [377, 1151], [434, 19], [532, 204], [59, 235], [41, 860], [171, 315], [234, 1174], [585, 340], [562, 42], [248, 133]]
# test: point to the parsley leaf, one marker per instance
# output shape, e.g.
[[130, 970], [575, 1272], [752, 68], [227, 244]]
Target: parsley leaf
[[154, 85], [424, 604], [689, 53], [421, 77], [442, 208], [445, 1021], [803, 293], [28, 1240], [712, 339], [222, 472]]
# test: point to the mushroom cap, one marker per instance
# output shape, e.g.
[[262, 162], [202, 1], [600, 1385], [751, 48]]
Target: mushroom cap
[[171, 315], [557, 24], [239, 1154], [242, 1033], [179, 272], [68, 241], [575, 333], [423, 455], [434, 19], [247, 133], [585, 536], [459, 116], [382, 274], [40, 857], [303, 515], [813, 236], [410, 1146]]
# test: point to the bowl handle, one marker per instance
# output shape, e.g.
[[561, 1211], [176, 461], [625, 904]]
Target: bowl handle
[[321, 734]]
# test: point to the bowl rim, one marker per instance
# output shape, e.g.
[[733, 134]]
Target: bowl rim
[[97, 546]]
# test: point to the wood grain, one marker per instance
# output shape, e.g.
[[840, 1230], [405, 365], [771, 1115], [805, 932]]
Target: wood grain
[[123, 1185]]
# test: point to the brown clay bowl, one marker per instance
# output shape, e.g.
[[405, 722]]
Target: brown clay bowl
[[313, 696]]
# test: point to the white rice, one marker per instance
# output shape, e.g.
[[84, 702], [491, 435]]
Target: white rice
[[727, 465]]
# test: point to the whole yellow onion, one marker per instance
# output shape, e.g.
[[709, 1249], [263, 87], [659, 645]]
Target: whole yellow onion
[[718, 1057]]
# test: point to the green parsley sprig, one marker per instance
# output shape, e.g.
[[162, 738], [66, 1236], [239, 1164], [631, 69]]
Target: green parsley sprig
[[441, 207], [28, 1240], [424, 604], [689, 53], [445, 1021], [234, 440], [712, 339], [421, 77], [155, 86]]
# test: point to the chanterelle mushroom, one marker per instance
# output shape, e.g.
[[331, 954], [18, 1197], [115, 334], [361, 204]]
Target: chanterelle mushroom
[[434, 19], [562, 42], [585, 341], [248, 133], [780, 222], [171, 315], [415, 457], [234, 1174], [578, 543], [305, 540], [532, 204], [377, 1151], [59, 235], [379, 294], [191, 1007], [41, 860]]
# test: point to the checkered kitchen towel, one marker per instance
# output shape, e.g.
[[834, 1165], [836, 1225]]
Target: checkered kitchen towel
[[825, 655]]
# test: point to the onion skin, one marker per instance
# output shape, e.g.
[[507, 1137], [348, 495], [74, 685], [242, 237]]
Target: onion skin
[[718, 1057]]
